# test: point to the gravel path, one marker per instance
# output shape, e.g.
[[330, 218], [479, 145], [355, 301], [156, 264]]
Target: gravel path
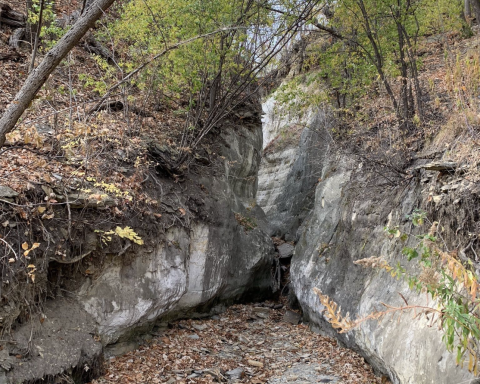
[[246, 344]]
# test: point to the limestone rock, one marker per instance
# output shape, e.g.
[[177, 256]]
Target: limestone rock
[[292, 317], [7, 192], [212, 262], [285, 250], [262, 312], [289, 167], [441, 166], [344, 216]]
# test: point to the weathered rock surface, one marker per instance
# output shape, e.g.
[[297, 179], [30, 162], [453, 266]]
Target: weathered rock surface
[[209, 264], [347, 224], [188, 272], [294, 151], [343, 221], [285, 250]]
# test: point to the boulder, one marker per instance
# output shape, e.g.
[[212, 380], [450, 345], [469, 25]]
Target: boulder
[[285, 250]]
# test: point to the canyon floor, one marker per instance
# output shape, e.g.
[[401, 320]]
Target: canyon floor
[[256, 344]]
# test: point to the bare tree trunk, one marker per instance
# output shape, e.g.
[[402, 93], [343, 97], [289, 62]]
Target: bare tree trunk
[[40, 75], [378, 62], [475, 7], [467, 11]]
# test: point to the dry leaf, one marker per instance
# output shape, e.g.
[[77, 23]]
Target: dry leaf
[[41, 209], [25, 246], [182, 211]]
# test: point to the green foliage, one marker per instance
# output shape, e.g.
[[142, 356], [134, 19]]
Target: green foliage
[[50, 31], [296, 93], [452, 286], [375, 43], [440, 16], [148, 26]]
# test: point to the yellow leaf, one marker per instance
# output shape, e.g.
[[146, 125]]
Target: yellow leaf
[[473, 290], [25, 246], [41, 209], [31, 266], [35, 245], [26, 252]]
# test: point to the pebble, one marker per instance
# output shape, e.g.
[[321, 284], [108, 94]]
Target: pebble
[[194, 337], [200, 327]]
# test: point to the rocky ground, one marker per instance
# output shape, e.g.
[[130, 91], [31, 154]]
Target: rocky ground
[[246, 344]]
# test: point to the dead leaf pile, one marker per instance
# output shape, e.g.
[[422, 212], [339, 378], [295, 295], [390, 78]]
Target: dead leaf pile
[[237, 346]]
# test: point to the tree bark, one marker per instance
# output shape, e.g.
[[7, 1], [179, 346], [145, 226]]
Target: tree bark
[[40, 74], [467, 11], [475, 7]]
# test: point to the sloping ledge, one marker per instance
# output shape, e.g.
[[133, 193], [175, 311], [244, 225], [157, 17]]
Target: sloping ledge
[[346, 224]]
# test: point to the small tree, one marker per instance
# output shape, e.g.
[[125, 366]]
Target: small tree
[[385, 35]]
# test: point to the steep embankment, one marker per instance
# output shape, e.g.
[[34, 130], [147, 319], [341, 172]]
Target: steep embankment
[[215, 253], [352, 204]]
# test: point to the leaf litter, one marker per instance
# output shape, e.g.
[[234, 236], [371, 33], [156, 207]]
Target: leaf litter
[[242, 345]]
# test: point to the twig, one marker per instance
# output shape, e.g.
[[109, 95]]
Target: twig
[[9, 246], [37, 36], [69, 217]]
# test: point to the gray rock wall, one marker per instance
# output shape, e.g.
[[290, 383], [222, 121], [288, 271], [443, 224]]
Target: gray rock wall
[[346, 224], [337, 221], [294, 151], [187, 272]]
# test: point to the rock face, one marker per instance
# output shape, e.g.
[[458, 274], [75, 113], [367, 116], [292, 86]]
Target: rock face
[[346, 224], [294, 151], [206, 266], [188, 272], [338, 221], [218, 262]]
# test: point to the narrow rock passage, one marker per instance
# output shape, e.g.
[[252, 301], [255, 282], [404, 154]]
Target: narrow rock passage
[[246, 344]]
